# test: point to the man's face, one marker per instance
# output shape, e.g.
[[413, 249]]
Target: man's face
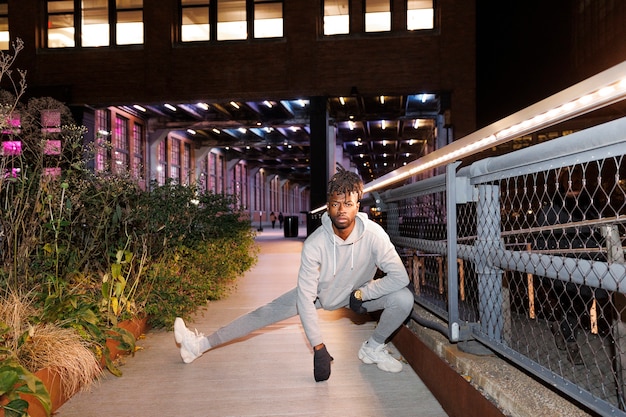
[[342, 210]]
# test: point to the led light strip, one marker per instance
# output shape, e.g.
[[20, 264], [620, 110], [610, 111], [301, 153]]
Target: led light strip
[[599, 91]]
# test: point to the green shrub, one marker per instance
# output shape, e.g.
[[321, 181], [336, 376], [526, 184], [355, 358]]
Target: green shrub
[[187, 279], [94, 247]]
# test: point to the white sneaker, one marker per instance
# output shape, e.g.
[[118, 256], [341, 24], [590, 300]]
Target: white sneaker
[[189, 341], [380, 356]]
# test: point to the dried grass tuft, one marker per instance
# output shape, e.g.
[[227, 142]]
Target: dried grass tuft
[[65, 352], [47, 345], [15, 311]]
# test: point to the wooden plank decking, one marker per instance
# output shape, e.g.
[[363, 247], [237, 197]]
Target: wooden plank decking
[[269, 373]]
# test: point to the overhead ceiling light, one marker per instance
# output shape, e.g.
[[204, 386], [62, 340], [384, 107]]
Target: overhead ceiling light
[[342, 101], [140, 108], [382, 99], [268, 104], [169, 106], [191, 131], [216, 131], [203, 106], [242, 129], [235, 105], [596, 92], [384, 124]]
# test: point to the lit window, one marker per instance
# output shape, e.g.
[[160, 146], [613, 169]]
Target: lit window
[[92, 27], [175, 170], [268, 19], [187, 171], [419, 14], [52, 147], [12, 124], [121, 151], [103, 127], [336, 17], [11, 147], [61, 24], [95, 23], [162, 164], [51, 121], [195, 24], [4, 25], [231, 20], [377, 16], [129, 27], [138, 152]]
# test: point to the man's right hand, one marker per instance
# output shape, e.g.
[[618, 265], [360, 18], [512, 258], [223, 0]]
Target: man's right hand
[[321, 363], [356, 305]]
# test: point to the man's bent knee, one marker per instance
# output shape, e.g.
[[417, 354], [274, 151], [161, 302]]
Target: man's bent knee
[[403, 299]]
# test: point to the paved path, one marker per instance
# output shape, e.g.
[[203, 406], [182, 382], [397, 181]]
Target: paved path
[[269, 373]]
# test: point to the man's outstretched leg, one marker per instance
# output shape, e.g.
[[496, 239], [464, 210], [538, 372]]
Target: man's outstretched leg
[[194, 344]]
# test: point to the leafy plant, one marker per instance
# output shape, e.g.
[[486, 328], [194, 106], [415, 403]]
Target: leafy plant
[[16, 380], [186, 279], [120, 286], [94, 249]]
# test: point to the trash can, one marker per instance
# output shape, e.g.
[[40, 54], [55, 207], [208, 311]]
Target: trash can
[[291, 226], [313, 221]]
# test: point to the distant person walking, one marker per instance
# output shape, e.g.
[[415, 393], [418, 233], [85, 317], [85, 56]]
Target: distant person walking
[[273, 219], [280, 219]]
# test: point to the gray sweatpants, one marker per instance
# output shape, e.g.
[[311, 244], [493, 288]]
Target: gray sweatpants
[[395, 307]]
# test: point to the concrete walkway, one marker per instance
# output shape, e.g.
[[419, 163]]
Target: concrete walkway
[[269, 373]]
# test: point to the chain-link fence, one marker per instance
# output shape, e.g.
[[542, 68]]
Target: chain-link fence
[[533, 267]]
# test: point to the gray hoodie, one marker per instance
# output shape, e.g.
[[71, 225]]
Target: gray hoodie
[[331, 268]]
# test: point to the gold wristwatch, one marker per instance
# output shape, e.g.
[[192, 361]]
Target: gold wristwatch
[[358, 295]]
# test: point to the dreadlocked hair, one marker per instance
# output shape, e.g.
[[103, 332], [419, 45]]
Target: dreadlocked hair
[[345, 182]]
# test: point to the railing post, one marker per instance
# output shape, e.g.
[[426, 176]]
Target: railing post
[[490, 291], [451, 236]]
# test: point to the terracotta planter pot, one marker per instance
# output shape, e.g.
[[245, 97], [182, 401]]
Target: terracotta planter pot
[[54, 383], [136, 327]]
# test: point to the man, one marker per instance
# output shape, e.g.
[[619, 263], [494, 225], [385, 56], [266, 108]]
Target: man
[[338, 263]]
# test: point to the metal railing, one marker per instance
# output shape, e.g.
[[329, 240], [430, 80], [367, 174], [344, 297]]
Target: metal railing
[[533, 264]]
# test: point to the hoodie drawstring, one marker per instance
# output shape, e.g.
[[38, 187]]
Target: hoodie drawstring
[[335, 256], [352, 261]]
